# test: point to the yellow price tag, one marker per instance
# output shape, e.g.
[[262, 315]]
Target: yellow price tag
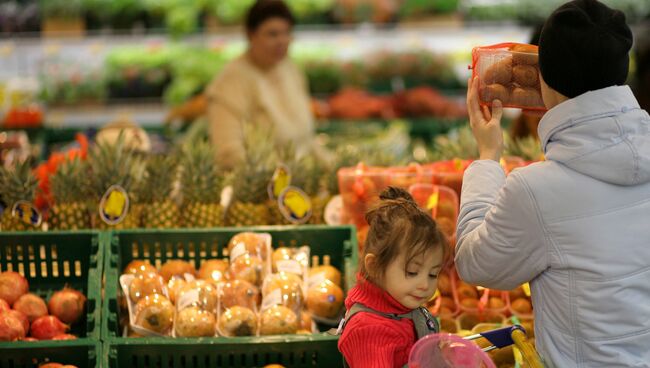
[[433, 200], [114, 205], [295, 205], [526, 288], [279, 182]]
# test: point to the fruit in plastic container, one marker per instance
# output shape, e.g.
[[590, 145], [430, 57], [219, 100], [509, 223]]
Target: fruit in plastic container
[[145, 284], [238, 321], [12, 286], [20, 316], [330, 273], [174, 285], [493, 92], [528, 97], [255, 244], [11, 329], [517, 293], [447, 226], [466, 291], [239, 293], [468, 321], [281, 280], [136, 267], [496, 303], [525, 54], [64, 337], [444, 284], [499, 72], [155, 313], [176, 267], [67, 305], [448, 325], [46, 327], [4, 306], [305, 321], [31, 305], [289, 287], [521, 306], [525, 75], [278, 320], [469, 303], [214, 270], [205, 293], [447, 302], [325, 300], [281, 254], [195, 322], [248, 268]]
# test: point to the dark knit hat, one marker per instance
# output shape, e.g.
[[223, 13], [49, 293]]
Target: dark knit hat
[[584, 46]]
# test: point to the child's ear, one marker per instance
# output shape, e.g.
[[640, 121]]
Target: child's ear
[[369, 261]]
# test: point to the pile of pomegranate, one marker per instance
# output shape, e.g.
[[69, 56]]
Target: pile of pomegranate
[[25, 316]]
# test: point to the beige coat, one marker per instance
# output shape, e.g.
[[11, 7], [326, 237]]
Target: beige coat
[[276, 100]]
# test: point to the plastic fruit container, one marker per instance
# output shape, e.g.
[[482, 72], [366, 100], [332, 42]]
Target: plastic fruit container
[[508, 72], [442, 201], [479, 301], [432, 350], [450, 173]]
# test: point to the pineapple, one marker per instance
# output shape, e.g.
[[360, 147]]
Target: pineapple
[[458, 143], [250, 205], [201, 183], [159, 211], [114, 164], [17, 184], [68, 186], [527, 148]]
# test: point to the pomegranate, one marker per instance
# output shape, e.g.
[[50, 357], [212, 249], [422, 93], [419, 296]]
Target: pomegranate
[[4, 306], [11, 329], [45, 328], [12, 286], [32, 306], [67, 305], [30, 339], [64, 337], [21, 317]]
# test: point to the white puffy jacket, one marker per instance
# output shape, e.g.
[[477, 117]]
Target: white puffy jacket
[[577, 226]]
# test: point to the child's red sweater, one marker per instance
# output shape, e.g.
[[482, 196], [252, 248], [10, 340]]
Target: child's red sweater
[[373, 341]]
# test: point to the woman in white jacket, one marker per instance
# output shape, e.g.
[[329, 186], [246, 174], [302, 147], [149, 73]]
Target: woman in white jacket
[[577, 226]]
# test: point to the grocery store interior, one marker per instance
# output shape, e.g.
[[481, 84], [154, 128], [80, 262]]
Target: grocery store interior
[[176, 192]]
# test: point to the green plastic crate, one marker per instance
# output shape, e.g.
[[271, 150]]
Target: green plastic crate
[[81, 353], [51, 261], [157, 246]]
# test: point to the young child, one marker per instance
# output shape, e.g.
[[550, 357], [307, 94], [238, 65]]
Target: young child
[[402, 256]]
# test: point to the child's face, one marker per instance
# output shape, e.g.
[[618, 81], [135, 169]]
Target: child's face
[[417, 285]]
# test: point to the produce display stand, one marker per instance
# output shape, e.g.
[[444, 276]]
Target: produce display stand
[[158, 246], [50, 261]]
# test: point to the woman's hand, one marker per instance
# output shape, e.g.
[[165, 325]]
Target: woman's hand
[[485, 123]]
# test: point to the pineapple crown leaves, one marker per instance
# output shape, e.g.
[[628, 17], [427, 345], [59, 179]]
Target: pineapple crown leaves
[[113, 164], [70, 182], [251, 178], [18, 183], [459, 143], [201, 179], [308, 175], [160, 175], [528, 148]]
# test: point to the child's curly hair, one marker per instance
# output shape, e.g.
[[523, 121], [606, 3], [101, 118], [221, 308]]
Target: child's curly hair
[[398, 224]]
